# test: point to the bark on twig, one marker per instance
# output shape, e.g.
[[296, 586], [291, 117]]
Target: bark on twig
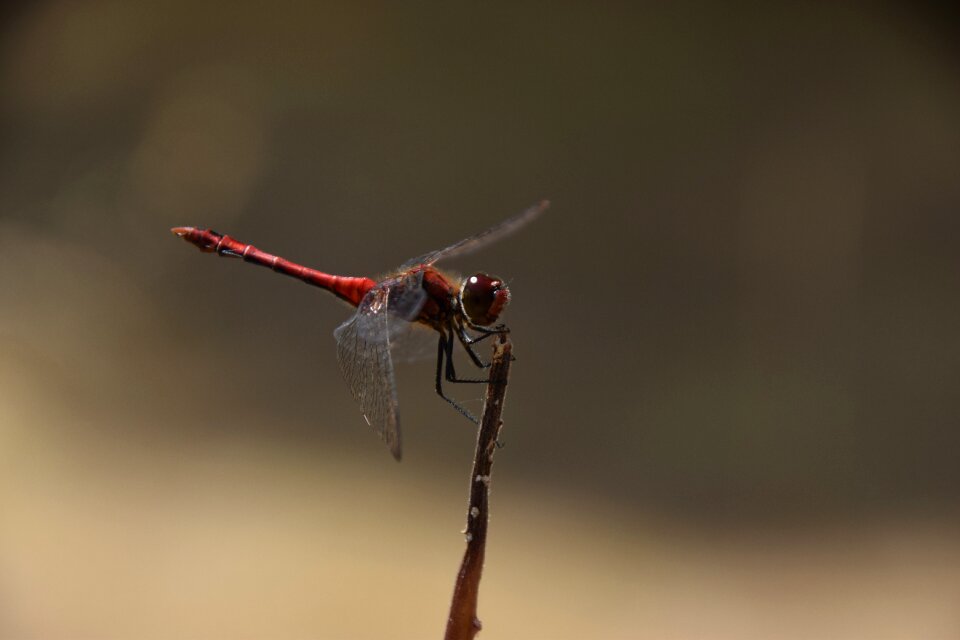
[[463, 623]]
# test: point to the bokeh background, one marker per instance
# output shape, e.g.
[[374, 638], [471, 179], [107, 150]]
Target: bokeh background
[[734, 412]]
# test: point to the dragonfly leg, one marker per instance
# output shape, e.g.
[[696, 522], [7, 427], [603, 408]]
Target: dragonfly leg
[[468, 341], [444, 353], [451, 374], [446, 350], [486, 331]]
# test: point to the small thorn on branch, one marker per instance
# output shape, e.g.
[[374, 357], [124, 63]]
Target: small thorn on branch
[[463, 623]]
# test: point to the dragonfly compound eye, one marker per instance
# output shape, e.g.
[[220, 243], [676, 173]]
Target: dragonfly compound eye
[[483, 298]]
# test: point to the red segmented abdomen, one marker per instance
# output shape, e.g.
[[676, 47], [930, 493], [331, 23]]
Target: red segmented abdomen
[[349, 288]]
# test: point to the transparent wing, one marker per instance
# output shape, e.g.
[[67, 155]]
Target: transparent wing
[[416, 344], [365, 363], [474, 242], [364, 345]]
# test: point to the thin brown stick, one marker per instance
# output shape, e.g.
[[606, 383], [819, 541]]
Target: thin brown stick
[[463, 623]]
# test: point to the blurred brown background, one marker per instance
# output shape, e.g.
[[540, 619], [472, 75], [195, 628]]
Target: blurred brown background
[[734, 412]]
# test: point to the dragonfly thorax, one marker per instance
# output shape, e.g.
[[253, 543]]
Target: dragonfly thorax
[[483, 298]]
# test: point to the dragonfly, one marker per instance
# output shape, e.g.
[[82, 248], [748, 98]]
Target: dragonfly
[[464, 311]]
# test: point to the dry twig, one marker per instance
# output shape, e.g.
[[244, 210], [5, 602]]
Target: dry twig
[[463, 623]]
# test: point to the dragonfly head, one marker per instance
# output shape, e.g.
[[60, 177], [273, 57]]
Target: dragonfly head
[[483, 297]]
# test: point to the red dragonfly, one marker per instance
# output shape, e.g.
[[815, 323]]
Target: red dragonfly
[[417, 292]]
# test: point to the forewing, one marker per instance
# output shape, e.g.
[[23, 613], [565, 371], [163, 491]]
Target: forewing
[[363, 352], [474, 242]]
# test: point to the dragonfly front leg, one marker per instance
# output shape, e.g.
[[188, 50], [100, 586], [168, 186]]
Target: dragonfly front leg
[[451, 374], [486, 331], [468, 341], [445, 353]]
